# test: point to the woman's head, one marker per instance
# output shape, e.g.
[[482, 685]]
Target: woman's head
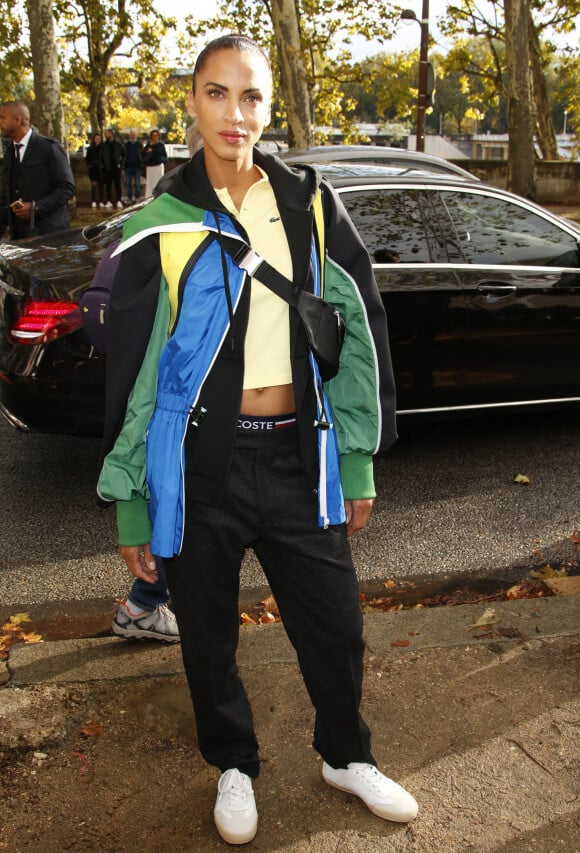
[[97, 138], [230, 98], [234, 41]]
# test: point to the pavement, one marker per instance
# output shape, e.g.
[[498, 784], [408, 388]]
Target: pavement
[[97, 742]]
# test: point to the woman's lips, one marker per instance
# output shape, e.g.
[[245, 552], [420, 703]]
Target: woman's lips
[[229, 136]]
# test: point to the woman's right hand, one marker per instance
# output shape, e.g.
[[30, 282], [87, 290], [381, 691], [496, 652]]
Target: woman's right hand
[[140, 562]]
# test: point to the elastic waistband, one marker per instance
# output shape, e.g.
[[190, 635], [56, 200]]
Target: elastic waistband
[[256, 424]]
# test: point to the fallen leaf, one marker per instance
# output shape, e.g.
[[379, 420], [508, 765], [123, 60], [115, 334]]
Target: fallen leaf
[[267, 617], [522, 480], [575, 537], [488, 617], [270, 605], [11, 632], [389, 584], [31, 637], [90, 729], [247, 620], [400, 644], [548, 572], [18, 619]]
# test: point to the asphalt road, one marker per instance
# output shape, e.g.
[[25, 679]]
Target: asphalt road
[[447, 506]]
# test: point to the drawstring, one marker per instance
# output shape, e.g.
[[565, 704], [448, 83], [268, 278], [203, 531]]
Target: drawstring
[[226, 277]]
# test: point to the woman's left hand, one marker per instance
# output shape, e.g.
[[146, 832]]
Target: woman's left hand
[[357, 514]]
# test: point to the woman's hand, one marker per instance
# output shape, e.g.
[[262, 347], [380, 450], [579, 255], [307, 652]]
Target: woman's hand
[[140, 561], [357, 514]]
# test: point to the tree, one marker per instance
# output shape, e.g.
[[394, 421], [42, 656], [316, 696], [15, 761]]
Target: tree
[[545, 18], [111, 45], [47, 111], [292, 72], [322, 24], [15, 59], [521, 156]]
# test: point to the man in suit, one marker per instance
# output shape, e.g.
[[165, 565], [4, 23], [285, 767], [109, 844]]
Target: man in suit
[[38, 179]]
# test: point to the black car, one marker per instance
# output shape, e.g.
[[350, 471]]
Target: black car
[[481, 289], [400, 160]]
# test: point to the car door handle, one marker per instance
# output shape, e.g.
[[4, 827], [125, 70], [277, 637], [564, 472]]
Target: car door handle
[[497, 290]]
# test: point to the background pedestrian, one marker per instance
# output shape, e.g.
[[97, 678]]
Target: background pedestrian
[[93, 161], [154, 158], [133, 167], [112, 159], [38, 179]]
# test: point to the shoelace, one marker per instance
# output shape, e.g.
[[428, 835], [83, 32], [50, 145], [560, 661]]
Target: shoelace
[[372, 777], [235, 786], [164, 614]]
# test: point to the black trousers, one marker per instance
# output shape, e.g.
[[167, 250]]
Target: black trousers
[[269, 506]]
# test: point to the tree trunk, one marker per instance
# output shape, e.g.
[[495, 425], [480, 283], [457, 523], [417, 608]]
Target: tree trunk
[[47, 111], [544, 124], [292, 73], [521, 156]]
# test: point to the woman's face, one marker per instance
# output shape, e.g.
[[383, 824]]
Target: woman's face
[[231, 102], [97, 139]]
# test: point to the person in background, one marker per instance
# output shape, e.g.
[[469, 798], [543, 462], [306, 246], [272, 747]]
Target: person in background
[[220, 434], [133, 167], [154, 158], [38, 180], [112, 160], [93, 161]]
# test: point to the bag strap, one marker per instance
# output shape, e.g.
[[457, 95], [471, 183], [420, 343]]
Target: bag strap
[[254, 264]]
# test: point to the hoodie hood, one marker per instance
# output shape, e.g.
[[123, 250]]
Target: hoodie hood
[[295, 185]]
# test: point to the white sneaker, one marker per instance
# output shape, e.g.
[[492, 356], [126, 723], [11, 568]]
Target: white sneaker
[[93, 204], [158, 624], [235, 814], [380, 794], [101, 204], [109, 204], [119, 204]]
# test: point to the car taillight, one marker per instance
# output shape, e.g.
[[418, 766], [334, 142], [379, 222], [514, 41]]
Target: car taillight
[[40, 322]]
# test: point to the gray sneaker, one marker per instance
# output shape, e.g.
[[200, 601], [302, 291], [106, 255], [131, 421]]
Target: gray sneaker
[[158, 624]]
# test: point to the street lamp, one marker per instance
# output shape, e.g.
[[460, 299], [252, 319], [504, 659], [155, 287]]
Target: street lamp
[[409, 15]]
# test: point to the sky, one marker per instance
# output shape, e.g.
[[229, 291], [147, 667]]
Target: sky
[[408, 35]]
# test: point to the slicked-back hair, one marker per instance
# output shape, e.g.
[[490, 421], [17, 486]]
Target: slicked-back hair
[[233, 41]]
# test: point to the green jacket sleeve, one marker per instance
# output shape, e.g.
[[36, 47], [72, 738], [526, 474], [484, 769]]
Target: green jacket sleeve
[[123, 473]]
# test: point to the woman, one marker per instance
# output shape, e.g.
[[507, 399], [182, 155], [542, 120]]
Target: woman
[[93, 161], [154, 159], [215, 368]]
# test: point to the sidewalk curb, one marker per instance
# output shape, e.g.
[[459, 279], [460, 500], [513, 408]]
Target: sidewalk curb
[[399, 632]]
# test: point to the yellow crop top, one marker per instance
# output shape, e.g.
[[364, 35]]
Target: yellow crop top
[[267, 346]]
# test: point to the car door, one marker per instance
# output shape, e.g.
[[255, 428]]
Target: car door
[[422, 295], [520, 273]]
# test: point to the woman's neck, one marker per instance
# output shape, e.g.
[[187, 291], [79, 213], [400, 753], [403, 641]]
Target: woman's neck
[[228, 175]]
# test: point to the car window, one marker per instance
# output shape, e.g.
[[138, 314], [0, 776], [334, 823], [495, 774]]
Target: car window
[[391, 224], [488, 230]]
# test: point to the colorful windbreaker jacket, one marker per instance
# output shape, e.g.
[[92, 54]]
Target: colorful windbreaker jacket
[[175, 356]]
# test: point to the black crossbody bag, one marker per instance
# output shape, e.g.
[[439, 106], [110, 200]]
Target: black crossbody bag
[[322, 322]]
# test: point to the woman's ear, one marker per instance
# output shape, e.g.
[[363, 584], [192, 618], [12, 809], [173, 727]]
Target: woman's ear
[[191, 105]]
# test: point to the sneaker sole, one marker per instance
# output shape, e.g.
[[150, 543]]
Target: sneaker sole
[[230, 838], [141, 634], [376, 810]]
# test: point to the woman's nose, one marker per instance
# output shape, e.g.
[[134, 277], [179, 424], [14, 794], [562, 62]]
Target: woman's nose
[[234, 113]]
